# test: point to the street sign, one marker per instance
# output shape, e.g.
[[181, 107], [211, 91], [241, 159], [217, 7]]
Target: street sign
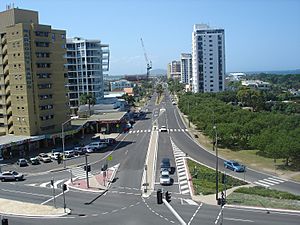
[[109, 158]]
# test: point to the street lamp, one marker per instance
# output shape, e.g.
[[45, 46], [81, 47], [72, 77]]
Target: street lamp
[[63, 140]]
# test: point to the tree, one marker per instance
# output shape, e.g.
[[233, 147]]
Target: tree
[[159, 90], [87, 98], [129, 99]]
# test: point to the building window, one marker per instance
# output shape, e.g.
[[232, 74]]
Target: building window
[[41, 33], [63, 36], [42, 97], [51, 127], [44, 86], [42, 54], [44, 75], [46, 107], [43, 65], [41, 44], [47, 117]]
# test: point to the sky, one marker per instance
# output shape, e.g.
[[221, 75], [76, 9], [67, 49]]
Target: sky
[[260, 35]]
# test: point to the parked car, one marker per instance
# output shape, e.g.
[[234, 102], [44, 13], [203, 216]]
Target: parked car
[[88, 149], [163, 129], [34, 161], [165, 178], [22, 162], [11, 176], [233, 165], [55, 155], [69, 153], [44, 157], [165, 165], [111, 141], [79, 151], [97, 145]]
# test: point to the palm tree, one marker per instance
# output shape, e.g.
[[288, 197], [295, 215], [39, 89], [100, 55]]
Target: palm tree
[[87, 98], [129, 99], [159, 89]]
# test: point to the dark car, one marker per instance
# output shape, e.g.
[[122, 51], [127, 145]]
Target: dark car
[[79, 151], [22, 162], [233, 165], [165, 164], [11, 176]]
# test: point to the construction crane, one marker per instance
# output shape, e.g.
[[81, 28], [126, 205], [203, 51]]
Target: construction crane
[[148, 62]]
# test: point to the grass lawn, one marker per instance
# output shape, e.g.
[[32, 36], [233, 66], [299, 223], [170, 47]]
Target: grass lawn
[[204, 179], [249, 158], [263, 197]]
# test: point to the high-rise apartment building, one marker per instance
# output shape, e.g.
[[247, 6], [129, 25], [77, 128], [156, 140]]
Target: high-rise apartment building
[[208, 58], [186, 68], [87, 60], [174, 70], [32, 75]]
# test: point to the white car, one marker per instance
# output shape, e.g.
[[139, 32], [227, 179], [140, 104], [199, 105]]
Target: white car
[[44, 157], [55, 155], [69, 153], [165, 178], [97, 145], [88, 149], [163, 129]]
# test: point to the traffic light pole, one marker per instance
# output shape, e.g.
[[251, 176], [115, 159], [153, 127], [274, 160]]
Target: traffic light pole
[[174, 212], [53, 191], [87, 172]]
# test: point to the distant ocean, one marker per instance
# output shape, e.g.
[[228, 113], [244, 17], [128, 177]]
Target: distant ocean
[[279, 72]]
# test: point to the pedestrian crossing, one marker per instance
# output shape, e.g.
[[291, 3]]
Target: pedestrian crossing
[[148, 131], [270, 181], [57, 184], [79, 173], [181, 170]]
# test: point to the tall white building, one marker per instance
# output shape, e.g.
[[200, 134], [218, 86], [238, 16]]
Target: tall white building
[[174, 70], [208, 58], [186, 68], [87, 60]]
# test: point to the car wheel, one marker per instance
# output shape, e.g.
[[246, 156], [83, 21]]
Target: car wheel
[[2, 179]]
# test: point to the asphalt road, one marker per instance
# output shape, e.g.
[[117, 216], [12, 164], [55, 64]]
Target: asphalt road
[[123, 203]]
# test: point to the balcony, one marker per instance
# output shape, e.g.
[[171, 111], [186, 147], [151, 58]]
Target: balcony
[[3, 40], [5, 60], [10, 129], [4, 49], [10, 120], [6, 80], [6, 70], [7, 90]]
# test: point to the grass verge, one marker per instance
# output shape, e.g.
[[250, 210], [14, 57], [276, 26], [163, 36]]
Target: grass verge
[[204, 179], [263, 197]]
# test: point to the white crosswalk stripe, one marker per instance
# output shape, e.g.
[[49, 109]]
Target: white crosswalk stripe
[[57, 184], [181, 167], [79, 173], [267, 182]]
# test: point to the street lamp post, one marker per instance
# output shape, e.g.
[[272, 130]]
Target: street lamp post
[[63, 140], [215, 146]]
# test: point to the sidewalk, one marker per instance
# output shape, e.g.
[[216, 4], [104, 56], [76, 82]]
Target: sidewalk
[[11, 207], [97, 183]]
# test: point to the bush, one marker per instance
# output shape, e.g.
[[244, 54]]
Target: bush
[[265, 192]]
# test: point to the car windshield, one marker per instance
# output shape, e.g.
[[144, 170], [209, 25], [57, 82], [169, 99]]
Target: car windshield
[[236, 164], [165, 176], [15, 173]]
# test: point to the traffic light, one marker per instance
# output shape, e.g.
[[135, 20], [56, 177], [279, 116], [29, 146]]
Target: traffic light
[[222, 200], [52, 182], [88, 168], [159, 196], [64, 187], [4, 221], [104, 167], [168, 196], [59, 158]]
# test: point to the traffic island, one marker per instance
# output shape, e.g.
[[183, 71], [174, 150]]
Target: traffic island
[[97, 183], [17, 208]]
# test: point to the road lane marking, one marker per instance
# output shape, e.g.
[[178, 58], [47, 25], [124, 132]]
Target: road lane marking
[[276, 179], [272, 181], [27, 193], [235, 219], [57, 183], [45, 184], [194, 213]]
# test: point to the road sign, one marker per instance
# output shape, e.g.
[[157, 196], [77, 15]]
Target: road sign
[[109, 158]]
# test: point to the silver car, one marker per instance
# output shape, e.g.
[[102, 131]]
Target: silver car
[[11, 176]]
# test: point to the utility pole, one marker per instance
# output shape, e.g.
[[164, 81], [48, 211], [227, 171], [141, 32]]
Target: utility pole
[[189, 113], [53, 192]]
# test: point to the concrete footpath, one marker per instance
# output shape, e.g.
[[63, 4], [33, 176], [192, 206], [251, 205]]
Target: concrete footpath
[[148, 180], [17, 208]]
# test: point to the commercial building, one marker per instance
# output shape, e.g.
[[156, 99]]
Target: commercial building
[[208, 58], [174, 70], [186, 68], [119, 85], [32, 75], [256, 84], [87, 62]]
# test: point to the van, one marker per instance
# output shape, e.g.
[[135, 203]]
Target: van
[[97, 145]]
